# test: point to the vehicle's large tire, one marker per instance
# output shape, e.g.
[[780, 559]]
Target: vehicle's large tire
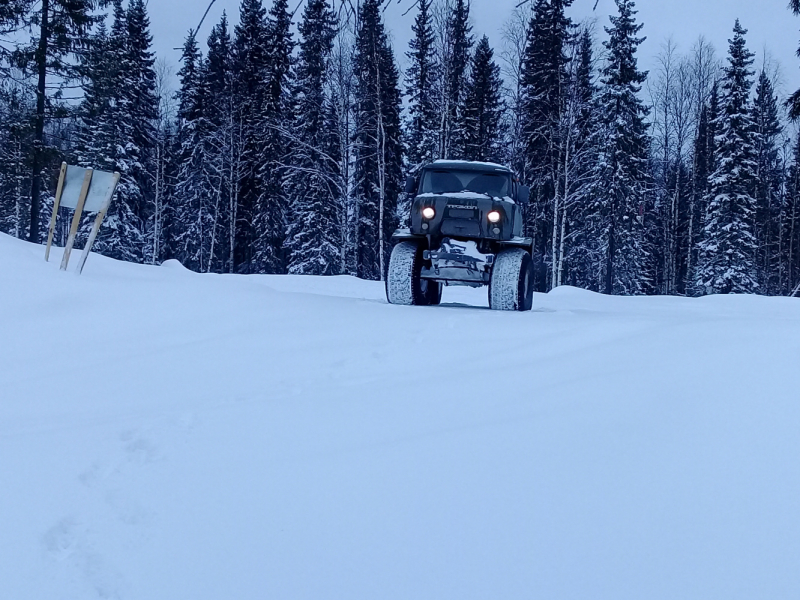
[[403, 283], [511, 284]]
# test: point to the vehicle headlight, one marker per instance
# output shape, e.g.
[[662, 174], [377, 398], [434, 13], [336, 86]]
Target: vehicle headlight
[[494, 216], [428, 212]]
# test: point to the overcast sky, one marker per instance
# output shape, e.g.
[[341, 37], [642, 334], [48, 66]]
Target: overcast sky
[[771, 25]]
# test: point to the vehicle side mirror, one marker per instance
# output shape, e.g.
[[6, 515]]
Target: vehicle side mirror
[[411, 184], [523, 194]]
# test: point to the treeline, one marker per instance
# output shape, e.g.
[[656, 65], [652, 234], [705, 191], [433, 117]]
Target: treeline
[[286, 145]]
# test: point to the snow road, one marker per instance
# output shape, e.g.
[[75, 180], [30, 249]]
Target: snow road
[[168, 435]]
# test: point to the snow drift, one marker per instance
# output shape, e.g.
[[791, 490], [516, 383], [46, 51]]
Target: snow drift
[[170, 435]]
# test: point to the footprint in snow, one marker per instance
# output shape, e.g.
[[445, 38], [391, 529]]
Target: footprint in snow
[[61, 539]]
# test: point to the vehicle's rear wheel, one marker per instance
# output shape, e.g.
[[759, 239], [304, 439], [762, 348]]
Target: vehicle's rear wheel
[[511, 283], [404, 284]]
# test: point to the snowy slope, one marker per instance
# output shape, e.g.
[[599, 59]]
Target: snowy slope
[[168, 435]]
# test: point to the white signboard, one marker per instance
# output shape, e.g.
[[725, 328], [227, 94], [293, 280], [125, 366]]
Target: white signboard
[[82, 190], [100, 190]]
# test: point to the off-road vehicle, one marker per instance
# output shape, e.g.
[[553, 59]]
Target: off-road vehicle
[[465, 229]]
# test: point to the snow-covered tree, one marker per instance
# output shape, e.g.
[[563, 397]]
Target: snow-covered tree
[[578, 259], [60, 30], [16, 136], [456, 38], [728, 251], [194, 219], [250, 64], [315, 195], [572, 244], [421, 77], [767, 140], [269, 219], [790, 227], [621, 176], [545, 89], [110, 116], [377, 138], [482, 134], [139, 109]]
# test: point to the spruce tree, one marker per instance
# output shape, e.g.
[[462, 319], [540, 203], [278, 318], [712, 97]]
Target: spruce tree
[[421, 77], [12, 21], [729, 247], [580, 242], [483, 108], [794, 101], [140, 108], [700, 172], [790, 223], [106, 139], [218, 145], [314, 237], [545, 88], [250, 65], [192, 219], [60, 30], [269, 219], [768, 186], [621, 176], [378, 152], [705, 163], [455, 74], [16, 136]]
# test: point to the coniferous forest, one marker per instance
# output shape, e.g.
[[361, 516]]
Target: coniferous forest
[[281, 144]]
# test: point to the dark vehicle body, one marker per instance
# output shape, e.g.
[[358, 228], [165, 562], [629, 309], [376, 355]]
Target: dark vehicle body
[[464, 215]]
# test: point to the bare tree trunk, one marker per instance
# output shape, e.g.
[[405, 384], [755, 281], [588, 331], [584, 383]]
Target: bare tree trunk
[[38, 142], [560, 267], [214, 226], [792, 239], [157, 203], [554, 242], [233, 190], [381, 150], [18, 206]]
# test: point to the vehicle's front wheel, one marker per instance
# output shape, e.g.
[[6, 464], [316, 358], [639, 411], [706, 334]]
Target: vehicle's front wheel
[[511, 284], [404, 284]]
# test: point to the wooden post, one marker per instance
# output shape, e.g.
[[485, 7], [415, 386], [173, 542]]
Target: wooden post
[[61, 178], [97, 222], [76, 219]]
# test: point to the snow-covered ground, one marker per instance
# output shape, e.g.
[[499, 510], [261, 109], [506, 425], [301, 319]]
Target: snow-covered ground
[[168, 435]]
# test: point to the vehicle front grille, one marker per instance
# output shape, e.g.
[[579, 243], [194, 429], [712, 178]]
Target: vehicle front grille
[[461, 227], [460, 213]]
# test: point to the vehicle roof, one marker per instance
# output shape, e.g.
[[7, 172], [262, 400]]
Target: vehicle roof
[[467, 165]]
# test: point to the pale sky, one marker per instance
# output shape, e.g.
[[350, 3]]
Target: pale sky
[[770, 24]]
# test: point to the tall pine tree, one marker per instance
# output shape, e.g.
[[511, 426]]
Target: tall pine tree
[[545, 88], [729, 247], [377, 139], [193, 218], [769, 184], [60, 30], [483, 108], [110, 121], [315, 234], [455, 71], [269, 219], [251, 62], [140, 112], [421, 77], [621, 176]]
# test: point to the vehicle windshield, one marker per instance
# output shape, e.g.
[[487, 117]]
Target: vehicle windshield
[[450, 181]]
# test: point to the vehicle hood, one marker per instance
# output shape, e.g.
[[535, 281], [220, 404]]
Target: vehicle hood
[[461, 196]]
